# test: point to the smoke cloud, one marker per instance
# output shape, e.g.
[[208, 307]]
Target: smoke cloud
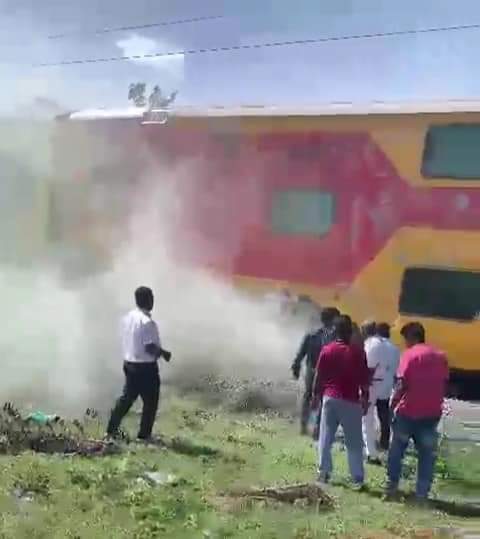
[[59, 340]]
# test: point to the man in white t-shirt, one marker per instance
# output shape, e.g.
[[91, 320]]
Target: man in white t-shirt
[[386, 387], [382, 359], [141, 349]]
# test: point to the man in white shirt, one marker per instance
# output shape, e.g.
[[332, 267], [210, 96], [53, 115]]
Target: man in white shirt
[[386, 387], [382, 359], [141, 350]]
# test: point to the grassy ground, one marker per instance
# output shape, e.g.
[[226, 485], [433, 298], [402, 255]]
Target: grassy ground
[[104, 497]]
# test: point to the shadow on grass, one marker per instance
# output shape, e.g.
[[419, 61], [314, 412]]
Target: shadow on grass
[[451, 508], [460, 486], [188, 448]]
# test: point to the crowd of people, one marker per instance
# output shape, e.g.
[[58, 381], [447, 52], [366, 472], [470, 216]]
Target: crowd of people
[[353, 376]]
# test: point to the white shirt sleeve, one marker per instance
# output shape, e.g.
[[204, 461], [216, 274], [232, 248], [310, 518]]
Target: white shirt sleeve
[[373, 352], [150, 333]]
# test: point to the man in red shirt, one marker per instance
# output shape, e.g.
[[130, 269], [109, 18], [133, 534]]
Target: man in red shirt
[[342, 380], [417, 406]]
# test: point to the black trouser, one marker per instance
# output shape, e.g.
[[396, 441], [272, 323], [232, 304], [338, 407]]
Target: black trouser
[[141, 379], [383, 411], [307, 397]]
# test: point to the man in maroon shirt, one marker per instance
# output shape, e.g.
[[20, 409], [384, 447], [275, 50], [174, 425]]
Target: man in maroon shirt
[[342, 380], [417, 406]]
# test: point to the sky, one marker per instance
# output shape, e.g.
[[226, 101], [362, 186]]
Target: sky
[[436, 66]]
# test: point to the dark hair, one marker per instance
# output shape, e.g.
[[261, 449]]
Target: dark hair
[[328, 315], [357, 337], [368, 329], [413, 332], [343, 328], [383, 330], [144, 297]]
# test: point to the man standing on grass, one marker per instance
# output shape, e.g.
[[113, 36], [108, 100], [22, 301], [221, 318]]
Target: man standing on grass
[[141, 351], [382, 360], [417, 405], [390, 359], [372, 352], [342, 379], [310, 349]]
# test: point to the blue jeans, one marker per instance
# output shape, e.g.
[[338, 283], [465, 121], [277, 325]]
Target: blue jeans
[[425, 436], [348, 414]]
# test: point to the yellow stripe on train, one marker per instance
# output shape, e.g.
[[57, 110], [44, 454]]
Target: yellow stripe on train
[[376, 292]]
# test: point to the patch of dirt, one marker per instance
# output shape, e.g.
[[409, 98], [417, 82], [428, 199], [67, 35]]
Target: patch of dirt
[[304, 495], [186, 447], [238, 440]]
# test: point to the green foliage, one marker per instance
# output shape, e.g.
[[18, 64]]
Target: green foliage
[[107, 498], [136, 93], [34, 478]]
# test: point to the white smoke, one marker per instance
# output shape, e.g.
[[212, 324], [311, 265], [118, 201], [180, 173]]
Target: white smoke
[[59, 341]]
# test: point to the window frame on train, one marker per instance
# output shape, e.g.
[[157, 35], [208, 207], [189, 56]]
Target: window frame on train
[[448, 148], [434, 292], [314, 205]]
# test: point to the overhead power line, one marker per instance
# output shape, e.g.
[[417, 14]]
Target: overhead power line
[[107, 30], [273, 44]]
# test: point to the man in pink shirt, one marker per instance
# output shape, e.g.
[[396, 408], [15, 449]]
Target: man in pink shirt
[[417, 406], [341, 382]]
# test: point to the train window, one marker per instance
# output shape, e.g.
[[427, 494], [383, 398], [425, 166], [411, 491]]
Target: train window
[[302, 212], [451, 151], [440, 293]]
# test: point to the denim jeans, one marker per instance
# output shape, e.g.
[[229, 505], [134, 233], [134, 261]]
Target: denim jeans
[[425, 436], [336, 412]]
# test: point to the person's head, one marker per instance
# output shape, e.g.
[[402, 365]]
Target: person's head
[[343, 328], [144, 298], [368, 329], [328, 315], [413, 333], [383, 330], [357, 337]]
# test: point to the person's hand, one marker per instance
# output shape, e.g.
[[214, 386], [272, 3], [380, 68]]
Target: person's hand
[[296, 372], [393, 407], [167, 356]]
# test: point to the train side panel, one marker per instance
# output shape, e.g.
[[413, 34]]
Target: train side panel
[[379, 214]]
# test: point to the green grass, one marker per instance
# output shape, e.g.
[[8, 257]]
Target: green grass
[[458, 468], [104, 497]]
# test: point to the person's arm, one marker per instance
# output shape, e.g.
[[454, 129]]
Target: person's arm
[[401, 383], [302, 352], [372, 352], [152, 344], [397, 364], [399, 391], [157, 352], [364, 380], [317, 389]]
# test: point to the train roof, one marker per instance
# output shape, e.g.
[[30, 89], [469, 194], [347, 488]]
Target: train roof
[[328, 109]]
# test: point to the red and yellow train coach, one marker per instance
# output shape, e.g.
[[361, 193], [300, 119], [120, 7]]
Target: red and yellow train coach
[[376, 208]]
